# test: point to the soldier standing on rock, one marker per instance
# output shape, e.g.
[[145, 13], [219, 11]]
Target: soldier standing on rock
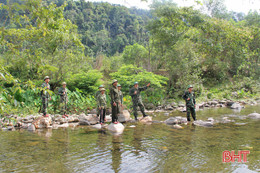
[[63, 99], [45, 96], [137, 99], [189, 97], [115, 103], [102, 104], [96, 95], [120, 97]]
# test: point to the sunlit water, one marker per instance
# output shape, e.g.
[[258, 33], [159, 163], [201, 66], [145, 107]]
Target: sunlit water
[[145, 148]]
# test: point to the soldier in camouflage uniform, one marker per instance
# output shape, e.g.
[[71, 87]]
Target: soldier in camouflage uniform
[[102, 105], [63, 99], [135, 93], [120, 97], [115, 103], [96, 96], [189, 97], [45, 96]]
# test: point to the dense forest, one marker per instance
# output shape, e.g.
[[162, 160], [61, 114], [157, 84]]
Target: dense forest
[[87, 44]]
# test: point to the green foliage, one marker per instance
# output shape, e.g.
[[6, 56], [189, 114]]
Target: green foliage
[[88, 82], [128, 74]]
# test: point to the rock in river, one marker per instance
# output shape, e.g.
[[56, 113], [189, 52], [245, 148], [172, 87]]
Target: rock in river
[[42, 122], [116, 128], [124, 116], [254, 115], [146, 119]]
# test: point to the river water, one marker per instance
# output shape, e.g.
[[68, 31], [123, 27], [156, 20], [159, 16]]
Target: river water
[[144, 148]]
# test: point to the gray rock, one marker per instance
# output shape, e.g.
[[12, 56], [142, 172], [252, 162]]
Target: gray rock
[[214, 103], [65, 125], [169, 107], [31, 127], [254, 115], [42, 122], [203, 123], [124, 116], [236, 106], [150, 106], [97, 126], [229, 103], [222, 102], [171, 121], [181, 105], [116, 128], [146, 119]]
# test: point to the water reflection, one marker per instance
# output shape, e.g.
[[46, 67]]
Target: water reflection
[[145, 148], [116, 152]]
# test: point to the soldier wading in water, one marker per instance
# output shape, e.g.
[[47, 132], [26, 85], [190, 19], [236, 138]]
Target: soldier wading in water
[[137, 99], [189, 97]]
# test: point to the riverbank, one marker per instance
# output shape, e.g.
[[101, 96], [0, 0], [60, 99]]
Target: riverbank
[[37, 121]]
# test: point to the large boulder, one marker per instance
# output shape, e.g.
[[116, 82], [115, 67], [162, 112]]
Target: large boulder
[[83, 120], [254, 115], [31, 127], [171, 121], [42, 122], [236, 106], [124, 116], [93, 119], [116, 128], [146, 119], [150, 106]]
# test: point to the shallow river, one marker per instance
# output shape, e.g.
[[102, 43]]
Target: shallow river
[[145, 148]]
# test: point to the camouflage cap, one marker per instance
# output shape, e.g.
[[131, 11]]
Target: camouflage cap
[[135, 83], [114, 81], [190, 86], [64, 83], [46, 77], [118, 85], [101, 86], [103, 89]]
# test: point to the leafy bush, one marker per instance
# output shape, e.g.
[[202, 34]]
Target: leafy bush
[[87, 82]]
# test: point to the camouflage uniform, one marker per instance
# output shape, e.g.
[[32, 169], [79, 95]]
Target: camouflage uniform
[[102, 103], [137, 100], [114, 99], [45, 97], [120, 96], [190, 104], [63, 99]]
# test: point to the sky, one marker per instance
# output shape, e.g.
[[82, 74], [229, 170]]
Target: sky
[[232, 5]]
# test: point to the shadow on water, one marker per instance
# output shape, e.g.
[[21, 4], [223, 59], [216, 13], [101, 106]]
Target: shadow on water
[[143, 148]]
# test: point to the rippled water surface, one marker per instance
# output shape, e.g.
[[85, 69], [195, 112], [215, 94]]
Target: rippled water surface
[[145, 148]]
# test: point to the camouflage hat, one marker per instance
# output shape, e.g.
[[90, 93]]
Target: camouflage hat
[[190, 86], [46, 77], [103, 89], [135, 83], [64, 83], [118, 85], [114, 81], [101, 86]]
